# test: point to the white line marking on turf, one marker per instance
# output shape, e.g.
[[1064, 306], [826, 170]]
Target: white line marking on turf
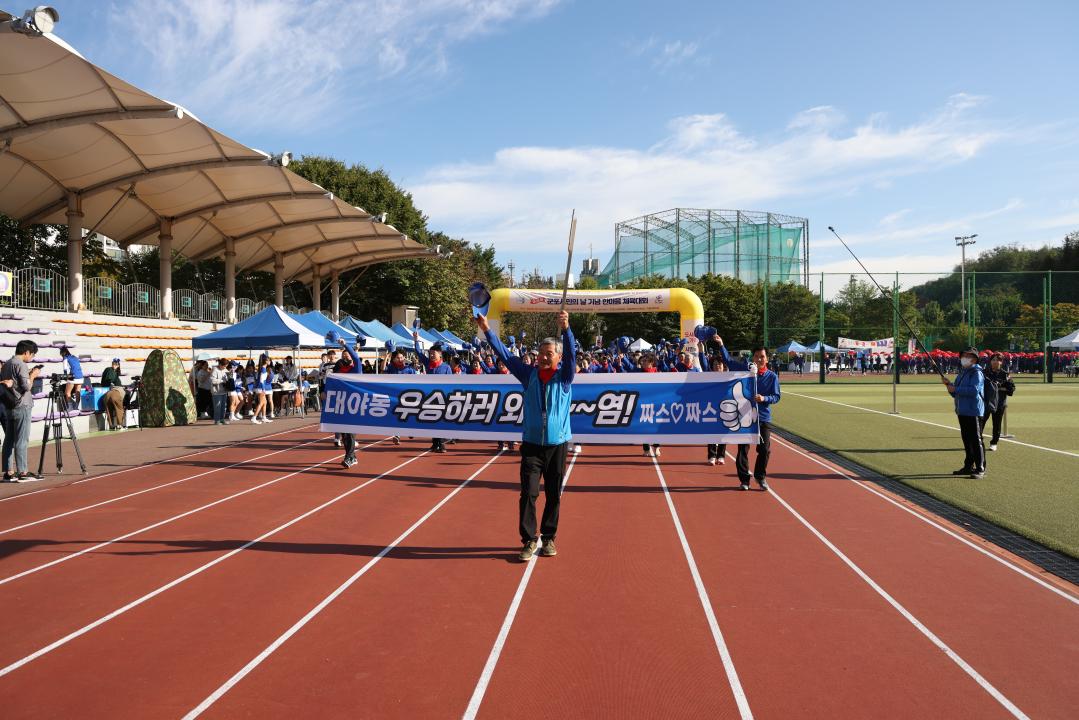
[[151, 489], [930, 521], [504, 631], [954, 656], [121, 538], [927, 422], [32, 492], [702, 593], [283, 638], [183, 578]]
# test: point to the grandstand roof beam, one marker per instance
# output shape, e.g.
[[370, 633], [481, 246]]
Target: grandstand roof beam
[[12, 133], [135, 237], [333, 220], [39, 215]]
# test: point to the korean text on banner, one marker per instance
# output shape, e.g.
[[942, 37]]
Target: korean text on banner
[[671, 408]]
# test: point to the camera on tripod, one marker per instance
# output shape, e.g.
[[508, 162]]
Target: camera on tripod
[[60, 378]]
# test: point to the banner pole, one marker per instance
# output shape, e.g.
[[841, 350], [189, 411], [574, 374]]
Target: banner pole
[[569, 258]]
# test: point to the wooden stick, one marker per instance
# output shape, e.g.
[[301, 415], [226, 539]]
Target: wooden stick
[[569, 257]]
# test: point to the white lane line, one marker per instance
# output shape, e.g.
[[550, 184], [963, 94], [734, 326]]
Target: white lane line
[[283, 638], [504, 631], [702, 593], [121, 538], [193, 454], [926, 422], [151, 489], [202, 568], [930, 521], [32, 492], [952, 655]]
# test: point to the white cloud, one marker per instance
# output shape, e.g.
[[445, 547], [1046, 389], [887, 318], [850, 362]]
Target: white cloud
[[521, 198], [283, 64]]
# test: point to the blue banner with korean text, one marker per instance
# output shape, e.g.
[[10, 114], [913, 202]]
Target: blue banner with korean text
[[670, 408]]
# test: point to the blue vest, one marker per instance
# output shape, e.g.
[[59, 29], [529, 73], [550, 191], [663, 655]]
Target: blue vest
[[546, 418]]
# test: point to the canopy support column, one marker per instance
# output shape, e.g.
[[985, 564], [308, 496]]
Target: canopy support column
[[316, 289], [74, 253], [230, 280], [164, 249], [279, 279], [335, 295]]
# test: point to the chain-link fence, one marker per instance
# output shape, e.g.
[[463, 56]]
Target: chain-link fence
[[870, 332]]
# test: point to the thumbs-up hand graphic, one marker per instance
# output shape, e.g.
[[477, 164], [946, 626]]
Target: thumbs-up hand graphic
[[738, 413]]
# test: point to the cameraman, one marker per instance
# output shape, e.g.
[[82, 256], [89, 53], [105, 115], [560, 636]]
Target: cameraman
[[19, 376]]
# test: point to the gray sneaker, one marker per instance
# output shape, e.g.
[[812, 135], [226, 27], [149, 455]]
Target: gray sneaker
[[349, 461], [549, 549], [527, 551]]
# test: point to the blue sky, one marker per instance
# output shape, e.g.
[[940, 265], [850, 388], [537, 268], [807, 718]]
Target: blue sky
[[901, 124]]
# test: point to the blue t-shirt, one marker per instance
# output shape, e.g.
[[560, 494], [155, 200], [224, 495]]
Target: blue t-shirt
[[74, 366]]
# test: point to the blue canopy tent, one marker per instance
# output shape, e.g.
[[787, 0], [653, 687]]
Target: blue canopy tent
[[452, 338], [373, 329], [815, 348], [447, 340], [265, 330], [792, 346], [406, 334], [319, 323]]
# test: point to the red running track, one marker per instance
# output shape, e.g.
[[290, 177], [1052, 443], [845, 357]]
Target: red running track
[[285, 586]]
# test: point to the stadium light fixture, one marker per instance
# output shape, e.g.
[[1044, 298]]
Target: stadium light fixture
[[962, 241], [36, 22]]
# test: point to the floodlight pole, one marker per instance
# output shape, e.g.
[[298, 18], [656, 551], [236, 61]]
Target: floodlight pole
[[962, 241]]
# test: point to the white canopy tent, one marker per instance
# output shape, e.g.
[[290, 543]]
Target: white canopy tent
[[1068, 342], [640, 344], [80, 146]]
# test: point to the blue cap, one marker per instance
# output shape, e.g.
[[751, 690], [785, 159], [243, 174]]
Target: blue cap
[[116, 360], [391, 345], [333, 336], [360, 340], [479, 298], [704, 333]]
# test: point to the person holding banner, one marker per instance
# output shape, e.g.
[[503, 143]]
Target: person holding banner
[[767, 395], [354, 366], [546, 434], [434, 366]]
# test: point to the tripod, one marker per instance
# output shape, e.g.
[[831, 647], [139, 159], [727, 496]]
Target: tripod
[[55, 412]]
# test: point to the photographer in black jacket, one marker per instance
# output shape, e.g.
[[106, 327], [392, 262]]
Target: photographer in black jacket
[[1000, 378]]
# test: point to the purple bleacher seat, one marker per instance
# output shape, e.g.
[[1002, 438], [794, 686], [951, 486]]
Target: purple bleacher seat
[[11, 316]]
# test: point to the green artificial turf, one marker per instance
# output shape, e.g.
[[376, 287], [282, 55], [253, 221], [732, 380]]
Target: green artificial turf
[[1032, 491]]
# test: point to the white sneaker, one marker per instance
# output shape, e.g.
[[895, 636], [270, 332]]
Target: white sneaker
[[272, 415], [576, 449], [648, 452], [993, 447], [711, 461], [723, 461], [658, 452], [267, 419], [256, 421]]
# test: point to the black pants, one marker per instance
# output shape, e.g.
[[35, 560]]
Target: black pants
[[970, 426], [204, 402], [998, 417], [349, 441], [717, 451], [548, 461], [764, 450]]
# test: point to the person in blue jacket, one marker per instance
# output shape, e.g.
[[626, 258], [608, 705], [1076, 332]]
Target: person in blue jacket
[[74, 369], [397, 366], [434, 366], [353, 366], [767, 395], [968, 390], [548, 391]]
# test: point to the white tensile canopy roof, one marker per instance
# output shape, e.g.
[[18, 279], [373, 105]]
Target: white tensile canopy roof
[[75, 137]]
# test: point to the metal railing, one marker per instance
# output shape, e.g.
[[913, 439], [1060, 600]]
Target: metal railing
[[37, 288]]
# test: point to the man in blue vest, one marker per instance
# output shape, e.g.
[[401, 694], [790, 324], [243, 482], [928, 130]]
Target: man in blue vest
[[546, 432], [434, 366]]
